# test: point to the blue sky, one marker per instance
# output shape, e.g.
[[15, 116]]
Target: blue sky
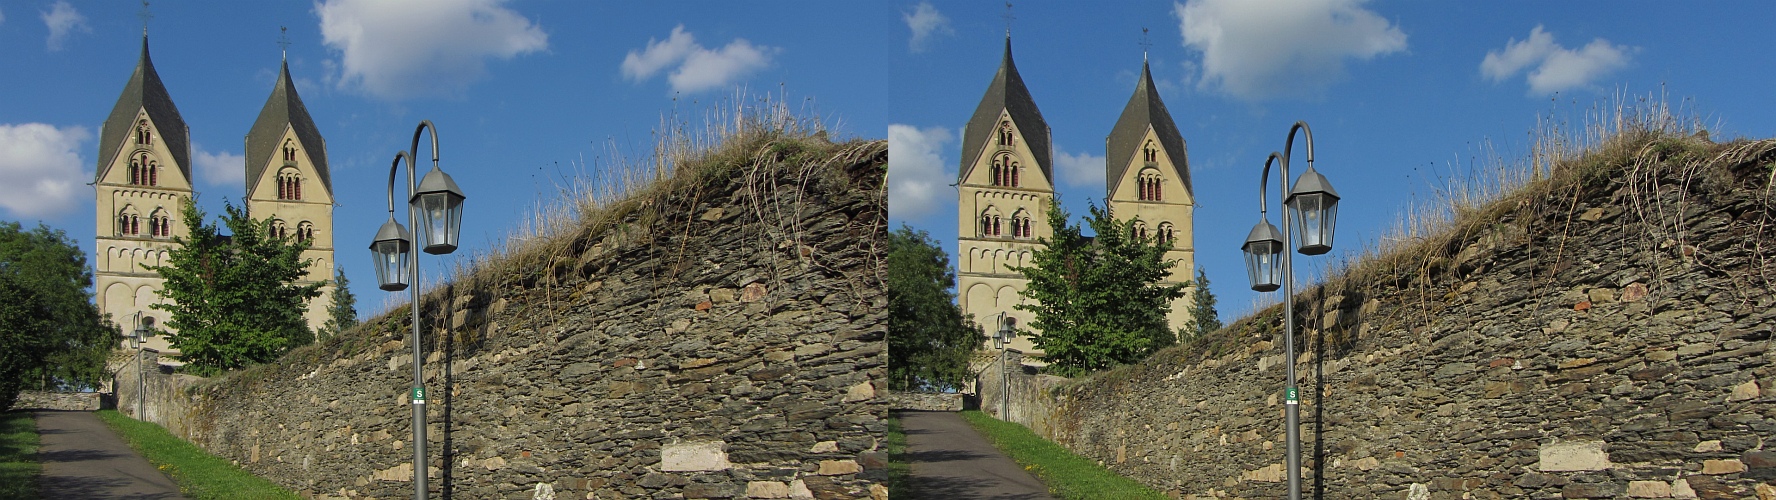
[[523, 92], [1401, 95]]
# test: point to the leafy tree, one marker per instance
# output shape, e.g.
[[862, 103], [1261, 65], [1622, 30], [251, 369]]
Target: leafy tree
[[1098, 301], [234, 299], [51, 334], [1203, 317], [929, 340], [343, 313]]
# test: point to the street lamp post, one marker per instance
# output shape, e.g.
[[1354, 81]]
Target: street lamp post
[[1313, 206], [142, 327], [435, 208], [1002, 341]]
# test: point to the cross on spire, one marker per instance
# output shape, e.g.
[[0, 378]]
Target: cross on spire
[[1008, 18], [145, 15], [1145, 44], [284, 40]]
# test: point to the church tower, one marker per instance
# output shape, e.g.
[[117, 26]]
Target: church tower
[[144, 171], [1149, 179], [289, 184], [1005, 185]]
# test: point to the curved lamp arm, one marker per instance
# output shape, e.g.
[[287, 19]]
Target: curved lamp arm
[[1301, 126], [427, 125], [396, 167], [1263, 182]]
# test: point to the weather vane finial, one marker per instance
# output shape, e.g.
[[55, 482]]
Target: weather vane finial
[[145, 15], [1145, 44], [284, 40], [1008, 18]]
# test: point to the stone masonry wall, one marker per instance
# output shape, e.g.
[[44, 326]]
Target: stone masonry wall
[[724, 342], [1609, 339], [65, 401]]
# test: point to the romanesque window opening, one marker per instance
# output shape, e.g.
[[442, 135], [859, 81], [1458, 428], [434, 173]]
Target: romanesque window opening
[[992, 224], [1140, 229], [1020, 224], [144, 136], [1165, 232], [289, 151], [129, 224], [305, 231], [1005, 136], [289, 185], [157, 226], [1150, 186], [277, 229], [1148, 154], [144, 171]]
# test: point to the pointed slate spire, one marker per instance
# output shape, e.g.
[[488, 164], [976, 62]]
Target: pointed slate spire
[[284, 110], [145, 92], [1144, 110], [1007, 92]]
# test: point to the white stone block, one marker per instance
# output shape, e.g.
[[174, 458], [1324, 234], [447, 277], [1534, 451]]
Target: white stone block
[[694, 456], [1573, 456]]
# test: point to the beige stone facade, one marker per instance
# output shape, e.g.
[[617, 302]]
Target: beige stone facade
[[1165, 208], [289, 193], [138, 196]]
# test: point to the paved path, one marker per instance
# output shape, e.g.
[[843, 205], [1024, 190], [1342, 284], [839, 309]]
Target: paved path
[[84, 459], [952, 461]]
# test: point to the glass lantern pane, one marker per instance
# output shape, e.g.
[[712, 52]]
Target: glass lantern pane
[[391, 265], [455, 226]]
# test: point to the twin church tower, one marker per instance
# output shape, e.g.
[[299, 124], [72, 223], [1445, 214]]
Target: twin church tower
[[1007, 181], [144, 170]]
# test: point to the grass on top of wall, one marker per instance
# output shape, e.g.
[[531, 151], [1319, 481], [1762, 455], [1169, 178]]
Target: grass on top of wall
[[1067, 475], [18, 455], [200, 475]]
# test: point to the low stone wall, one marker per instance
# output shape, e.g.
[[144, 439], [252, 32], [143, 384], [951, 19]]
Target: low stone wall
[[727, 345], [67, 401], [1612, 341], [1033, 398], [924, 401]]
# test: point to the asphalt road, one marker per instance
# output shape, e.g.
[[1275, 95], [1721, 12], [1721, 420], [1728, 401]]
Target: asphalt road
[[951, 461], [84, 459]]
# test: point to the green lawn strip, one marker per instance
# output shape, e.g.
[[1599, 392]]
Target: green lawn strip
[[200, 475], [898, 469], [18, 455], [1067, 475]]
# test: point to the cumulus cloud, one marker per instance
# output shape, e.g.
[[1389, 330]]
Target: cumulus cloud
[[1080, 170], [62, 20], [1557, 68], [698, 68], [925, 21], [1254, 50], [916, 174], [398, 49], [40, 168], [223, 168]]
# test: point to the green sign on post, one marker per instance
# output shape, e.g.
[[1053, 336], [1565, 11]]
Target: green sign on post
[[1292, 396], [419, 395]]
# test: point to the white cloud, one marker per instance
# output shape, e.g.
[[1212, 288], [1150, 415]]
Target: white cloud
[[397, 49], [925, 21], [1557, 68], [698, 68], [2, 17], [1254, 50], [63, 20], [40, 168], [223, 169], [916, 174], [1080, 170]]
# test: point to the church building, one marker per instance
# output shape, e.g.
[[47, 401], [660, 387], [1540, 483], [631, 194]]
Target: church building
[[144, 170], [1006, 182]]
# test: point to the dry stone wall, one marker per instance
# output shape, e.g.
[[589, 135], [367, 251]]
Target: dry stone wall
[[725, 342], [1608, 339]]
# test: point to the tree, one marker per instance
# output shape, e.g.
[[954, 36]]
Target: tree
[[343, 314], [1098, 301], [1203, 317], [51, 334], [929, 340], [234, 299]]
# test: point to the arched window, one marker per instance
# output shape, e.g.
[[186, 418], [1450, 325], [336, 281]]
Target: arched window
[[289, 151], [998, 170], [1165, 232], [1148, 153], [1140, 229], [991, 223], [135, 170], [289, 184], [1014, 167], [1150, 183], [277, 229], [144, 136], [305, 231], [157, 223], [1020, 224], [1005, 136], [129, 223]]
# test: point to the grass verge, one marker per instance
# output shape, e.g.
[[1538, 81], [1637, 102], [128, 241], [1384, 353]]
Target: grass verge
[[200, 475], [1067, 475], [18, 455], [898, 468]]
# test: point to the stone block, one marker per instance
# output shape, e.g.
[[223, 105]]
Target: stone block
[[839, 467], [767, 489], [1727, 466], [1747, 390], [1649, 489], [798, 490], [1601, 295], [1572, 456], [1591, 490], [694, 456], [1766, 492], [1681, 489], [1269, 474], [880, 492], [825, 447], [1711, 445], [1366, 463], [863, 391], [712, 490]]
